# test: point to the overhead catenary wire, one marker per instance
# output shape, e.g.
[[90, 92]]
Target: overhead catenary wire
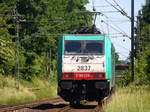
[[112, 34], [121, 32], [124, 34], [109, 11], [102, 29], [119, 9], [118, 43], [116, 36], [100, 6], [122, 47], [115, 25], [118, 29], [118, 5], [119, 21]]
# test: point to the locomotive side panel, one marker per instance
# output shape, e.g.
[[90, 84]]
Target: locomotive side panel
[[110, 62], [59, 56], [108, 58]]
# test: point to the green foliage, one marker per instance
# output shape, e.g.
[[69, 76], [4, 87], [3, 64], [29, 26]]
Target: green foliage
[[32, 90], [130, 99], [117, 58], [41, 24], [7, 52], [142, 74], [142, 62], [7, 47], [144, 27], [146, 13]]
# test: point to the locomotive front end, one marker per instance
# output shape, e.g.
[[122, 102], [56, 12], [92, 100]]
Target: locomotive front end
[[83, 70], [83, 60]]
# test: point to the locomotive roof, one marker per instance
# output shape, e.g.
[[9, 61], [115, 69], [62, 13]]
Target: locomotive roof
[[84, 37], [87, 30]]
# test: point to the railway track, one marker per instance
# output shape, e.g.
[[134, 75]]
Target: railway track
[[6, 108], [81, 108], [84, 107], [65, 109]]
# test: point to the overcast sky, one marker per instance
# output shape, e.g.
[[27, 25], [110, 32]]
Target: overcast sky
[[117, 22]]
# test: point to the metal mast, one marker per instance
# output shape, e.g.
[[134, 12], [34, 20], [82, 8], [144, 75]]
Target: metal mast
[[132, 40]]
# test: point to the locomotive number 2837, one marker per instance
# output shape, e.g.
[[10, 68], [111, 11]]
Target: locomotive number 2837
[[84, 68]]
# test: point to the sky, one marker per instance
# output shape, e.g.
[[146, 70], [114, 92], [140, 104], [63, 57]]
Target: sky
[[116, 25]]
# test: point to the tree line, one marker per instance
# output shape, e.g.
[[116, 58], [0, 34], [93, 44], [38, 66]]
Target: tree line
[[34, 27], [142, 45]]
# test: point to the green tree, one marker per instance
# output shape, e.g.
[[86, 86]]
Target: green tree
[[142, 74], [41, 23], [7, 51]]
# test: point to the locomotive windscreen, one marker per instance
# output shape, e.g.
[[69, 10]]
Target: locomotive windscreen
[[84, 47], [72, 47]]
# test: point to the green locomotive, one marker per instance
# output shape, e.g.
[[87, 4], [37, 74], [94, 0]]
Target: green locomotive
[[86, 67]]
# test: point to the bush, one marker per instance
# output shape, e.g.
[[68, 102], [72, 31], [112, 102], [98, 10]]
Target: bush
[[142, 68]]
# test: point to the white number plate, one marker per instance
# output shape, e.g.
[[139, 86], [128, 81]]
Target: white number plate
[[84, 68]]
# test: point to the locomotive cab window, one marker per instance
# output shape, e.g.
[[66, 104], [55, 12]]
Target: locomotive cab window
[[93, 47], [72, 47], [84, 47]]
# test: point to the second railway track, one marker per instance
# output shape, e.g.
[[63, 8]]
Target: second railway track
[[6, 108]]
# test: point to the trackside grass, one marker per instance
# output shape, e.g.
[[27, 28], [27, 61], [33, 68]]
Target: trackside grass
[[10, 94], [130, 99]]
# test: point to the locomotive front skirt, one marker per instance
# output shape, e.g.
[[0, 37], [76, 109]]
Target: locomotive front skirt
[[86, 67]]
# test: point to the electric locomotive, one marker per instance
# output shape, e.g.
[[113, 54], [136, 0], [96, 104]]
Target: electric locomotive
[[86, 67]]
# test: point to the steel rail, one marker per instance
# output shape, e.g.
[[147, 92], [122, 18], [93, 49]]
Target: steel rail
[[65, 109], [5, 108], [105, 101], [98, 108]]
